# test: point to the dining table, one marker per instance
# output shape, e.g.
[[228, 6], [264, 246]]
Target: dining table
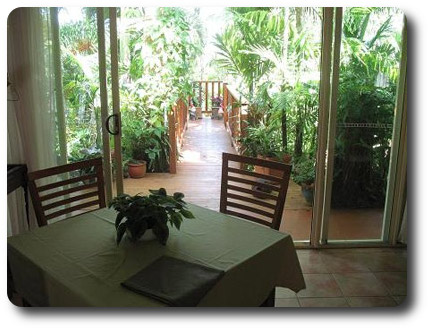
[[77, 262]]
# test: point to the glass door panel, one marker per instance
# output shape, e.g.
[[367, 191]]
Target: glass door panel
[[301, 89], [368, 75], [87, 80]]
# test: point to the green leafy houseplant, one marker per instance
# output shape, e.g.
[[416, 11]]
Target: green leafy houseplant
[[137, 214], [304, 171], [304, 175]]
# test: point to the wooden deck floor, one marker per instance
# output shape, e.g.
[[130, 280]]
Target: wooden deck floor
[[199, 178]]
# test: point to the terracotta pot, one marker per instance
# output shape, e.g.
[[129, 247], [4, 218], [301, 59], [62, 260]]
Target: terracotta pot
[[261, 169], [137, 170], [285, 159]]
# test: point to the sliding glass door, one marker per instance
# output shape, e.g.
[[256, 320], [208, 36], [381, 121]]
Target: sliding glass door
[[356, 158], [84, 43]]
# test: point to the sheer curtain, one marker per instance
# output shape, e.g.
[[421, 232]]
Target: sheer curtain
[[31, 119]]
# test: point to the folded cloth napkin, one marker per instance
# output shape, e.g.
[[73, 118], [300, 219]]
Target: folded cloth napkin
[[174, 282]]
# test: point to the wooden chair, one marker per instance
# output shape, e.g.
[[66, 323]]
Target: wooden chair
[[254, 196], [79, 182]]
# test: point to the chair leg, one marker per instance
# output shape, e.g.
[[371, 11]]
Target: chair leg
[[270, 301]]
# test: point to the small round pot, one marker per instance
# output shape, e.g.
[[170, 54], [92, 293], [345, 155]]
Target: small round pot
[[138, 170], [147, 236]]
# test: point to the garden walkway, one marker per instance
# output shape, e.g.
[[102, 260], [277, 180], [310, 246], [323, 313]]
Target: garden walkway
[[199, 178]]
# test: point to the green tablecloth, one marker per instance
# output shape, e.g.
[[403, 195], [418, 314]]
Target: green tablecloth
[[76, 262]]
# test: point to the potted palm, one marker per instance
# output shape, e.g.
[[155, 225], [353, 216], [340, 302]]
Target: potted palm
[[304, 175], [137, 214]]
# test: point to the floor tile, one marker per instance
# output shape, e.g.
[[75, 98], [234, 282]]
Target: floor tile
[[287, 302], [323, 302], [371, 301], [320, 285], [396, 282], [312, 262], [383, 261], [284, 293], [341, 262], [360, 285]]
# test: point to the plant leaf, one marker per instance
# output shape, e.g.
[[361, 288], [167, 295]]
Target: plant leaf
[[120, 232], [178, 195], [176, 219], [161, 231], [119, 217], [187, 214]]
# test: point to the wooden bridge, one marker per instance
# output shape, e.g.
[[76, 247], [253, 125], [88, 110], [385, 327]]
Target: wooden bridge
[[200, 144], [196, 166]]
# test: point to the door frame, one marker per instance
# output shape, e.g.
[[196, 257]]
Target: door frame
[[104, 104], [396, 187]]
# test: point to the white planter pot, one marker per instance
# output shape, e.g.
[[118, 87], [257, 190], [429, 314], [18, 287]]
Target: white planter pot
[[148, 236]]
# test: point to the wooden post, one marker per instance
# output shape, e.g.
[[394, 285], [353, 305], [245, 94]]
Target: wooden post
[[206, 96], [219, 88], [225, 103], [172, 141], [200, 95], [213, 89]]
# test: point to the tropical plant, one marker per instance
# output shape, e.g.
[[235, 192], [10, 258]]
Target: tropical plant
[[367, 89], [156, 60], [261, 141], [137, 214], [304, 170], [250, 26]]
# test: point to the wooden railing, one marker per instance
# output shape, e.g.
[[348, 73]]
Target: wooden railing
[[204, 92], [235, 115], [235, 109], [177, 123]]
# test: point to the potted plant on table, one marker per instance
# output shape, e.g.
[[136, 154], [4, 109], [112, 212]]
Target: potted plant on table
[[304, 175], [137, 214]]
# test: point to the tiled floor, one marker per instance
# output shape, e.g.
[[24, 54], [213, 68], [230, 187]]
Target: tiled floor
[[364, 277], [361, 277]]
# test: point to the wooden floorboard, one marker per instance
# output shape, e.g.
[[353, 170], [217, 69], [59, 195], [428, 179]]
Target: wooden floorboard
[[199, 178]]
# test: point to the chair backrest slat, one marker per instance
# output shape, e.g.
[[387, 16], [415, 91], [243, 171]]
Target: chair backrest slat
[[70, 200], [270, 178], [70, 209], [88, 183], [82, 178], [248, 194], [251, 200], [68, 191]]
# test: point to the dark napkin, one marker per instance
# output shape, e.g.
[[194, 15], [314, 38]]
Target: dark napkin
[[174, 282]]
